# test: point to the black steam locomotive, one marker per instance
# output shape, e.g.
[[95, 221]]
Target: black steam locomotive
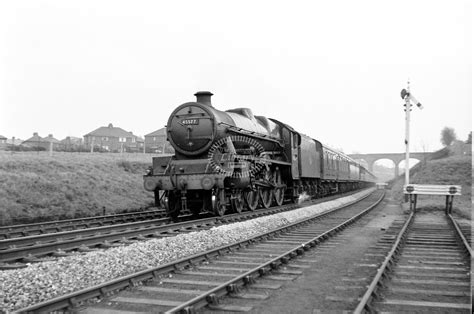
[[234, 161]]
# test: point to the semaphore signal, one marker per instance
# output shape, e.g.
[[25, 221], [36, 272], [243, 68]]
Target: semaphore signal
[[409, 98]]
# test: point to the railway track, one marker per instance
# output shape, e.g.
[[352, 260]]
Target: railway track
[[25, 230], [466, 229], [15, 252], [240, 270], [427, 269]]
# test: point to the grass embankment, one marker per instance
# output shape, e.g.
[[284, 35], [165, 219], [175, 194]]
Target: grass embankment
[[39, 187], [456, 170]]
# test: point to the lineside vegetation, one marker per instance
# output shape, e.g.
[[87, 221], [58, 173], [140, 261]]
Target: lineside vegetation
[[38, 187], [456, 170]]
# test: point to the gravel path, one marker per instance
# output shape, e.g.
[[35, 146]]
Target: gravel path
[[43, 281]]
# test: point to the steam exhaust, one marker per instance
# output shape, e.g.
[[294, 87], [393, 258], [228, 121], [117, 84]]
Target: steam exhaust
[[303, 197]]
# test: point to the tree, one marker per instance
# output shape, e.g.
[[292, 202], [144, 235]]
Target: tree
[[469, 138], [447, 136]]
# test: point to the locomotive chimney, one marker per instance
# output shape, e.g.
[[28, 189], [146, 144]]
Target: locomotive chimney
[[204, 98]]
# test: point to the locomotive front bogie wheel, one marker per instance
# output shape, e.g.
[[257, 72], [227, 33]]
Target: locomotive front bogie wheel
[[173, 203], [237, 202], [251, 199], [157, 198], [207, 201], [219, 202], [266, 196]]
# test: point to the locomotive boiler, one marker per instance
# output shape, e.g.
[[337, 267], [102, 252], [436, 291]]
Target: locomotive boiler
[[232, 160]]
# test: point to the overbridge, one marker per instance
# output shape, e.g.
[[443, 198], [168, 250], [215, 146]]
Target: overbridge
[[395, 157]]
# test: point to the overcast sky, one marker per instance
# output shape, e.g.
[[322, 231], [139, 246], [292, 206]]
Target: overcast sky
[[331, 69]]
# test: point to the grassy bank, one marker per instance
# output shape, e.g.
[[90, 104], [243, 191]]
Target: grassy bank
[[36, 187], [456, 170], [39, 187]]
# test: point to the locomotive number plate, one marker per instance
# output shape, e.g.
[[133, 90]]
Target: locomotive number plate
[[190, 121]]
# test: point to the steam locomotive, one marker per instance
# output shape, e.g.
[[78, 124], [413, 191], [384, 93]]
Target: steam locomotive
[[230, 161]]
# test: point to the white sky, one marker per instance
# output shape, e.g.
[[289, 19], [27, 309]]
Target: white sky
[[331, 69]]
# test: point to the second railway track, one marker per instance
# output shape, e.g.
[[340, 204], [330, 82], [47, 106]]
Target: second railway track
[[25, 230], [427, 269], [34, 248]]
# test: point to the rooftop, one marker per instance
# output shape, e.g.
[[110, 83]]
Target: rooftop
[[110, 131], [159, 132]]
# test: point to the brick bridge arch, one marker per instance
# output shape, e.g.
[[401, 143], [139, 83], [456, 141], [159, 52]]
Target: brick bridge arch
[[395, 157]]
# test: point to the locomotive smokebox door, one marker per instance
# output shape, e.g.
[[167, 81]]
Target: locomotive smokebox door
[[191, 128]]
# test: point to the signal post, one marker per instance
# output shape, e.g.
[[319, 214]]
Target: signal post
[[408, 97]]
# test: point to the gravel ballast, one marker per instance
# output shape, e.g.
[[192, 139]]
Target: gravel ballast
[[46, 280]]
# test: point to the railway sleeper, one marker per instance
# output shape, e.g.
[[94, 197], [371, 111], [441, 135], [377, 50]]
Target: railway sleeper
[[4, 266]]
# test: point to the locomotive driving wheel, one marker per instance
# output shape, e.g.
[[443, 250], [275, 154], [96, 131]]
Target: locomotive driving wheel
[[279, 191], [266, 195], [219, 202], [251, 199], [237, 201]]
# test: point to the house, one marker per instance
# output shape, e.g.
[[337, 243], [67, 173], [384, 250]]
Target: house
[[34, 141], [14, 141], [156, 142], [50, 141], [111, 139], [42, 143], [136, 147], [3, 142], [71, 144], [10, 143]]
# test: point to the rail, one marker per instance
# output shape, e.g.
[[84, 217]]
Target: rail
[[384, 268], [460, 235], [12, 231]]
